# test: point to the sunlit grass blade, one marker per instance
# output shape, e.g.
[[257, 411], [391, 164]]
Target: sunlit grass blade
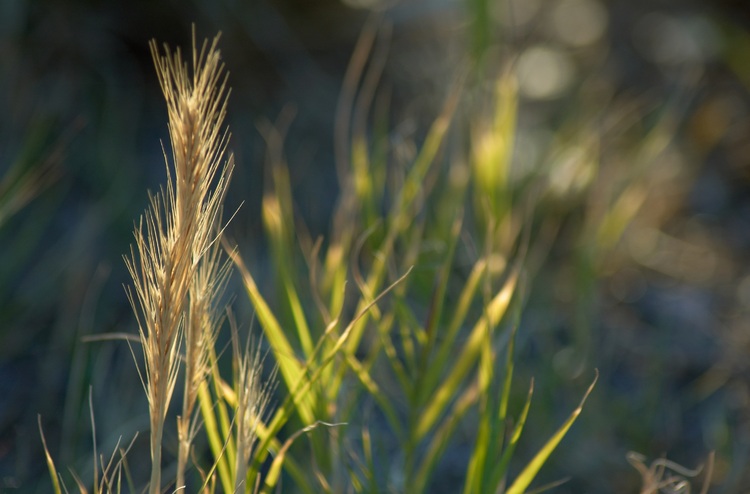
[[215, 437], [526, 476], [289, 366], [467, 358], [274, 472], [401, 215], [369, 471], [374, 390], [494, 474], [620, 215], [498, 471], [50, 462], [386, 338], [492, 151], [487, 428], [219, 449], [278, 218], [449, 335], [368, 180], [439, 440], [302, 388], [509, 366], [437, 302]]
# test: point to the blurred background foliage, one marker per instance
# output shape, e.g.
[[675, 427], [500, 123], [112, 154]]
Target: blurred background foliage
[[631, 149]]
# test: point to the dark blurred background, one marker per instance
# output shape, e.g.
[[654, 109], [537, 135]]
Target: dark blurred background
[[663, 310]]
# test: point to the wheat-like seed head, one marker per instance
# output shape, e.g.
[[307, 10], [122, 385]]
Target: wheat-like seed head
[[178, 274], [160, 273]]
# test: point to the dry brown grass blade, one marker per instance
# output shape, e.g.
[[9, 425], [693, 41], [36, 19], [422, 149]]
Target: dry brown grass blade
[[664, 475]]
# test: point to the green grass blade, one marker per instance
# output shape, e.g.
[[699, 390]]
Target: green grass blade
[[492, 151], [401, 215], [448, 345], [509, 365], [486, 431], [439, 440], [474, 474], [303, 387], [432, 144], [437, 303], [372, 387], [289, 366], [274, 472], [392, 354], [215, 439], [278, 219], [468, 357], [498, 471], [220, 408], [525, 478]]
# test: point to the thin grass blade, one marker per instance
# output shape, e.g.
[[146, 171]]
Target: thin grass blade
[[525, 478], [468, 357], [50, 462]]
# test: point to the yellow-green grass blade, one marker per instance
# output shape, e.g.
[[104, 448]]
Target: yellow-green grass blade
[[365, 178], [274, 444], [338, 288], [447, 347], [290, 402], [215, 438], [278, 219], [220, 408], [372, 387], [492, 150], [499, 470], [481, 27], [282, 260], [374, 281], [620, 215], [50, 462], [525, 478], [303, 386], [424, 160], [362, 182], [509, 365], [79, 483], [262, 432], [334, 277], [290, 368], [467, 358], [401, 215], [492, 474], [439, 440], [274, 472], [369, 471], [474, 473], [435, 313], [346, 100], [408, 329], [384, 330], [487, 430]]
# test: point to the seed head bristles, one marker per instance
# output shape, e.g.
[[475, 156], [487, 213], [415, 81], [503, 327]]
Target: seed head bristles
[[202, 324], [176, 265], [253, 395], [160, 273]]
